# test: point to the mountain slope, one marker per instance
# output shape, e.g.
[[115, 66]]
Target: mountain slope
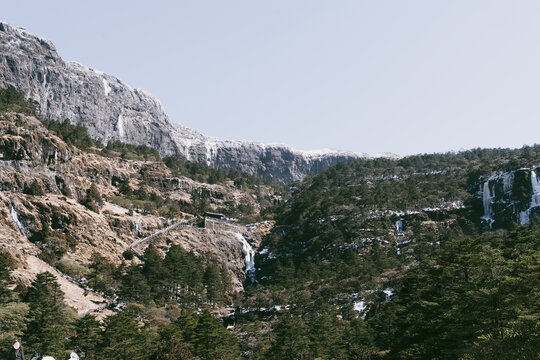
[[112, 110]]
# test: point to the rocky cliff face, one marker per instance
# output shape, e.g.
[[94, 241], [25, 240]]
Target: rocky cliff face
[[31, 226], [266, 160], [112, 110], [511, 196], [107, 107]]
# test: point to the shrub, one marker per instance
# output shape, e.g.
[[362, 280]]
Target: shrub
[[34, 189], [92, 200]]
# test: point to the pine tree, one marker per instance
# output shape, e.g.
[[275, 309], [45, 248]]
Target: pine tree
[[290, 340], [155, 272], [6, 295], [135, 286], [87, 336], [122, 339], [212, 341], [47, 325], [172, 348], [212, 282]]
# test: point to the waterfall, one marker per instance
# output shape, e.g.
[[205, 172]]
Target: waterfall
[[535, 183], [508, 182], [15, 217], [399, 227], [487, 199], [524, 216], [249, 256]]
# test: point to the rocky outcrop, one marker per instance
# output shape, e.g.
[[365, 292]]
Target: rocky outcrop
[[112, 110], [265, 160], [106, 106], [510, 196], [29, 154]]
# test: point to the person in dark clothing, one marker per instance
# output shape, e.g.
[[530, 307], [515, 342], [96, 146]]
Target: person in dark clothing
[[16, 352]]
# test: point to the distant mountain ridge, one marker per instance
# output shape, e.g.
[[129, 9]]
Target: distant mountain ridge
[[112, 110]]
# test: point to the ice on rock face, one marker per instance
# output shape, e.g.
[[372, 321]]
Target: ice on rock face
[[487, 199], [107, 87], [360, 306], [15, 217], [388, 292], [399, 226], [249, 256], [120, 126], [525, 216], [508, 181]]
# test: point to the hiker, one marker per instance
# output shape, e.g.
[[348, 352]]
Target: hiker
[[16, 352]]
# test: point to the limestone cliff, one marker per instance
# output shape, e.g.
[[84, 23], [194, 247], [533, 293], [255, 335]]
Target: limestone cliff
[[112, 110]]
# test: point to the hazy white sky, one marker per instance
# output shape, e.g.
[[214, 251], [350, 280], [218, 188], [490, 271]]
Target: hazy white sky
[[369, 76]]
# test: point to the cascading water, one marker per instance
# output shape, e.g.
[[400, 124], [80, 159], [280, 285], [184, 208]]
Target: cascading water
[[15, 217], [249, 256], [535, 183], [524, 216], [399, 227], [487, 197]]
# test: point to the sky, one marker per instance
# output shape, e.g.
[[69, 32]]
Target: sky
[[406, 77]]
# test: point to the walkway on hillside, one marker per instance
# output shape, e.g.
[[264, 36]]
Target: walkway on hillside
[[157, 234]]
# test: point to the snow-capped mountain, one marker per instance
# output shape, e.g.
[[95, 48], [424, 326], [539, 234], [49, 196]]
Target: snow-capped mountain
[[112, 110]]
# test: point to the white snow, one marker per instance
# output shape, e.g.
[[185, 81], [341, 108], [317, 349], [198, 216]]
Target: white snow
[[360, 306], [107, 87]]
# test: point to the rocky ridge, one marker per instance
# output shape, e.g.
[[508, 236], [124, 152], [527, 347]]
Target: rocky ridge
[[112, 110]]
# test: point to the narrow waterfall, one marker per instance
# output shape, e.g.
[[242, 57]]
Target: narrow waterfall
[[399, 227], [535, 183], [487, 199], [249, 256], [15, 217], [525, 216]]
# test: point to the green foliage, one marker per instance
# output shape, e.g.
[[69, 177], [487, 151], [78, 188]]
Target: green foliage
[[131, 152], [172, 348], [473, 289], [203, 336], [47, 326], [86, 337], [76, 135], [34, 189], [177, 278], [122, 339], [93, 199], [101, 276], [12, 100], [6, 295], [204, 173], [12, 323]]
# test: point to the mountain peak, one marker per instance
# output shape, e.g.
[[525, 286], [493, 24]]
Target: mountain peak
[[112, 110]]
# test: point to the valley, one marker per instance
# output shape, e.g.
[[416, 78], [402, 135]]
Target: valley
[[123, 236]]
